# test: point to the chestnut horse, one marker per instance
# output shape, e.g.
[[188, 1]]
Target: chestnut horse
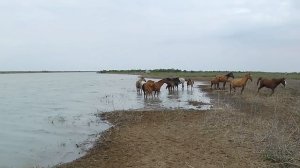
[[240, 82], [221, 78], [148, 88], [157, 86], [270, 83], [139, 84]]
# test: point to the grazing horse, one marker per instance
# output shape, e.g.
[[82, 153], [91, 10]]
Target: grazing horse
[[148, 88], [139, 84], [240, 82], [189, 82], [222, 78], [182, 82], [270, 83], [157, 86]]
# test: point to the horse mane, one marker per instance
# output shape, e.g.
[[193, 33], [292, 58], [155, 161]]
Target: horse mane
[[229, 74]]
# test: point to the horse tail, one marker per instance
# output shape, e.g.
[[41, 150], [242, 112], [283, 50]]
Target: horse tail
[[258, 80]]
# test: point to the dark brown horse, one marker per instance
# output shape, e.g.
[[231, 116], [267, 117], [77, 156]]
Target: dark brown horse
[[270, 83], [222, 78]]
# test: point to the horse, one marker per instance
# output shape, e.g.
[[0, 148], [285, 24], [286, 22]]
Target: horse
[[172, 83], [182, 80], [240, 82], [270, 83], [222, 78], [215, 82], [157, 86], [139, 84], [189, 82], [148, 88]]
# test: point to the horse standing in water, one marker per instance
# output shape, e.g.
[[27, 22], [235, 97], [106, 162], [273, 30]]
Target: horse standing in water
[[221, 78], [148, 88], [139, 84], [157, 86], [172, 83], [240, 82], [270, 83], [182, 82]]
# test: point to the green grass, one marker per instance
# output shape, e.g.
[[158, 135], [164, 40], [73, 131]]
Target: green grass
[[163, 73]]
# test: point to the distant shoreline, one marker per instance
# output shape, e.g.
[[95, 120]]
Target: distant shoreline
[[23, 72]]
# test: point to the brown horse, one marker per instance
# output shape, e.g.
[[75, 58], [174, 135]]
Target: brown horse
[[148, 88], [215, 82], [270, 83], [240, 82], [189, 82], [221, 78], [157, 86]]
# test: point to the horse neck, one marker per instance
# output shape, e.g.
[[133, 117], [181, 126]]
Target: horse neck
[[277, 81], [160, 83], [245, 79]]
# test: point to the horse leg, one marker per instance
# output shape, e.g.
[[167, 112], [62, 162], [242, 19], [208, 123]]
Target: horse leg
[[243, 87], [259, 89], [272, 92], [224, 83]]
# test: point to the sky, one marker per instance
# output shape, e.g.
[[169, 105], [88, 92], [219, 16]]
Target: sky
[[235, 35]]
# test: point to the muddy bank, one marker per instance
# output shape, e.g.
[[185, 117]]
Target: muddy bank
[[240, 131]]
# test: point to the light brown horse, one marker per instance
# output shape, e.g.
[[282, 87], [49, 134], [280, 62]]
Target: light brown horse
[[240, 82], [221, 78], [148, 88], [189, 82], [270, 83], [214, 82]]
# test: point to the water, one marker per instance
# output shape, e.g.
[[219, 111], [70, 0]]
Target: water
[[46, 119]]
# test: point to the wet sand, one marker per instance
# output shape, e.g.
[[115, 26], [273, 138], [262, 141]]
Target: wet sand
[[240, 131]]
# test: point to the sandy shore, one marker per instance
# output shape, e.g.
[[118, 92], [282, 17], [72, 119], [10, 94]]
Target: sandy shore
[[240, 131]]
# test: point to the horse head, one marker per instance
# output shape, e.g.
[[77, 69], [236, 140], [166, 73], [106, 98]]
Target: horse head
[[248, 76], [283, 82], [143, 79], [230, 75]]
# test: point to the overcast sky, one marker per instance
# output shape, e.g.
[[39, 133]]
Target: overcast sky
[[246, 35]]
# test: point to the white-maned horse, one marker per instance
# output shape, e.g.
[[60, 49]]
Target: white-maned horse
[[182, 80], [139, 84]]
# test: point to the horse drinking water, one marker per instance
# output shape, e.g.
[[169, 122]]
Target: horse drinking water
[[270, 83]]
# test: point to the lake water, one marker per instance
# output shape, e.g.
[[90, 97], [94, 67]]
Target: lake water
[[49, 118]]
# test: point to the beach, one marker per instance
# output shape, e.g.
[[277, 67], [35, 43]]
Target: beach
[[246, 130]]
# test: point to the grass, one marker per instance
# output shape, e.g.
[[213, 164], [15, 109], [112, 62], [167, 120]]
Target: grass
[[203, 75]]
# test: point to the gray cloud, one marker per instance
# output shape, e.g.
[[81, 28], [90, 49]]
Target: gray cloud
[[106, 34]]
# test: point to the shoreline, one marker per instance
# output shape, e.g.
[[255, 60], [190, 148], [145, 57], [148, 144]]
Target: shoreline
[[232, 134]]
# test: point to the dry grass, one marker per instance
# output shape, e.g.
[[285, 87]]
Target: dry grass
[[272, 122], [246, 130]]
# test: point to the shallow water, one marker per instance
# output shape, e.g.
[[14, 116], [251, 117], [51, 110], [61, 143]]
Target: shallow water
[[47, 119]]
